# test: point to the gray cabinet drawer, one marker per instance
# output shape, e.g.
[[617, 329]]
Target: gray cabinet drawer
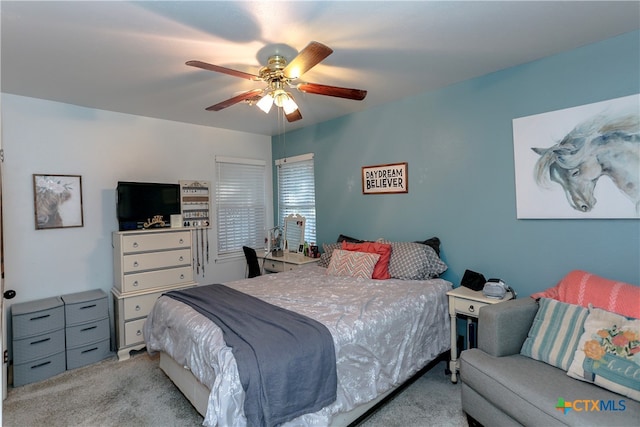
[[157, 279], [37, 347], [37, 318], [87, 354], [85, 306], [38, 370], [156, 241], [87, 333]]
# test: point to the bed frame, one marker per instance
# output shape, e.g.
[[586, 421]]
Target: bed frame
[[198, 394]]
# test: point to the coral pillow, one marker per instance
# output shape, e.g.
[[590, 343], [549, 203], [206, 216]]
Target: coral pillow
[[582, 288], [381, 270]]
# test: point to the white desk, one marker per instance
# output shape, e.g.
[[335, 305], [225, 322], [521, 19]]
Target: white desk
[[466, 302], [289, 261]]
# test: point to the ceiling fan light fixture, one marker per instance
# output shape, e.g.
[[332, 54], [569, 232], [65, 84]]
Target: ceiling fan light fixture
[[265, 103], [289, 105]]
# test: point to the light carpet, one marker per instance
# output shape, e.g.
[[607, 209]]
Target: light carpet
[[137, 393]]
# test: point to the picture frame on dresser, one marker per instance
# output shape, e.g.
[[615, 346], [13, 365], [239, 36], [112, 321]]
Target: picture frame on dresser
[[57, 201]]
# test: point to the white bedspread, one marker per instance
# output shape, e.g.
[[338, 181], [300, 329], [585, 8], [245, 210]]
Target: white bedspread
[[384, 331]]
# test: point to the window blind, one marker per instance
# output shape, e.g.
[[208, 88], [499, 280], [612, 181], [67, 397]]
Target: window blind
[[240, 204], [297, 192]]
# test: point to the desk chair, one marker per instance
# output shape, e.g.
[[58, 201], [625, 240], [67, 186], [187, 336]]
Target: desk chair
[[252, 261]]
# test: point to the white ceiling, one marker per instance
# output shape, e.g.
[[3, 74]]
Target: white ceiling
[[130, 57]]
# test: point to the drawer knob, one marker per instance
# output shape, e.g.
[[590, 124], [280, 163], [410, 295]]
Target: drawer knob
[[135, 283], [139, 332], [181, 241], [137, 308], [182, 276], [135, 263], [135, 244], [471, 309], [181, 259]]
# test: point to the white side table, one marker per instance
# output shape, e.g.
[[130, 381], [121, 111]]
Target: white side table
[[467, 302]]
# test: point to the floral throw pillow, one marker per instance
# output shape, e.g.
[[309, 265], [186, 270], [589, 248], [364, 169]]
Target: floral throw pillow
[[608, 353]]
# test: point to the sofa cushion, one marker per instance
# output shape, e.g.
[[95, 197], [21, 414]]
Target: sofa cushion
[[554, 334], [608, 353], [583, 288], [528, 391]]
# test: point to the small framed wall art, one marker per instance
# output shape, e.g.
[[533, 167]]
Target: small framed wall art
[[385, 179], [57, 201]]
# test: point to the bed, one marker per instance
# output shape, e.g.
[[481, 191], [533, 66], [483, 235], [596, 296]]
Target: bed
[[383, 331]]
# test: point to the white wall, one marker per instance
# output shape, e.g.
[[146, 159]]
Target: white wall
[[103, 147]]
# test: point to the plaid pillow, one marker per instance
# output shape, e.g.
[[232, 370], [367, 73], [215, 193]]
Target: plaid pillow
[[414, 261], [325, 257]]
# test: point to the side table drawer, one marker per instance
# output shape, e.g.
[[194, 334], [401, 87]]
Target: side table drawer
[[275, 266], [133, 332], [468, 307], [38, 346]]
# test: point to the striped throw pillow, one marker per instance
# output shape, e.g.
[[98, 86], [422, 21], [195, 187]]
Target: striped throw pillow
[[555, 332], [354, 264]]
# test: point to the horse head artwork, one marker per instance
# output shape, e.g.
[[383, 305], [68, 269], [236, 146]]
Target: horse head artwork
[[51, 192], [602, 145]]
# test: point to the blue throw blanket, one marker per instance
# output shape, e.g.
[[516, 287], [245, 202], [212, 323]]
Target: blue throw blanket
[[286, 361]]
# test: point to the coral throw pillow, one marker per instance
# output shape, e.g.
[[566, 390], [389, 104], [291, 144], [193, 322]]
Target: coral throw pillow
[[582, 288], [381, 270]]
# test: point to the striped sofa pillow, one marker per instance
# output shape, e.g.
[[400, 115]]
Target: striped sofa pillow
[[555, 332]]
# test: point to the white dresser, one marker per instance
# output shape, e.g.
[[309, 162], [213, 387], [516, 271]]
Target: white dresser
[[146, 263]]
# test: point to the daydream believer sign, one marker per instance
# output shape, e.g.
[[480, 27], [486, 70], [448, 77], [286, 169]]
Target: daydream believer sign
[[385, 179]]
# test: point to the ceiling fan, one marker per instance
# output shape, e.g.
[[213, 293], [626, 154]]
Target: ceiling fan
[[279, 75]]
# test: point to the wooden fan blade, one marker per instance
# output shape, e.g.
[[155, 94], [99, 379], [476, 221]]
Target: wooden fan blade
[[232, 101], [292, 117], [308, 57], [219, 69], [340, 92]]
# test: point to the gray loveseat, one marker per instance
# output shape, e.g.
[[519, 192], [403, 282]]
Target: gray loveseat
[[500, 387]]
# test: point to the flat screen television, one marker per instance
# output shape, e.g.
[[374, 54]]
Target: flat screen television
[[138, 202]]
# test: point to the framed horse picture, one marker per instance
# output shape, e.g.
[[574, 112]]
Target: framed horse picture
[[580, 162], [57, 201]]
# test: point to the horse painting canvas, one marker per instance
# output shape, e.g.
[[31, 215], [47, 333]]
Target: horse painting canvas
[[581, 162], [57, 201]]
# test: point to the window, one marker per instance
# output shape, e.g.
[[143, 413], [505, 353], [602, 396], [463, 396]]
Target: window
[[297, 192], [240, 204]]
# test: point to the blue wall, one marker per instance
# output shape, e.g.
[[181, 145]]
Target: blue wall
[[459, 145]]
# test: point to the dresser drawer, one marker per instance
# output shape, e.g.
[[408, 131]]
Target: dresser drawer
[[156, 241], [87, 354], [38, 370], [133, 332], [87, 332], [150, 261], [38, 346], [37, 317], [83, 307], [468, 307], [140, 306], [154, 279]]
